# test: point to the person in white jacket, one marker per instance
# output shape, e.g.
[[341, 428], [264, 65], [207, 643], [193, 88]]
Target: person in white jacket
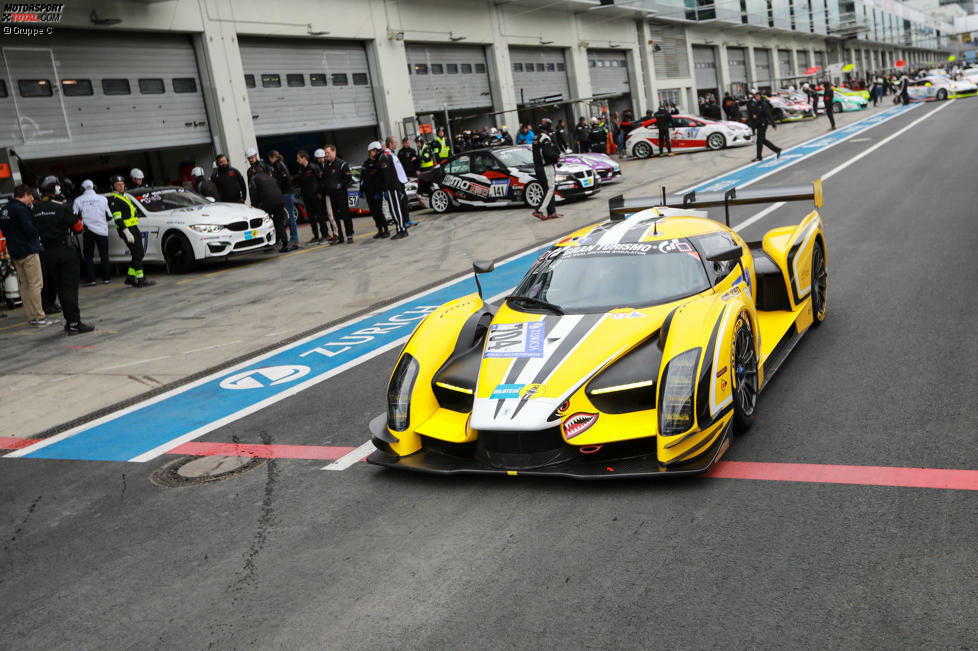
[[95, 214]]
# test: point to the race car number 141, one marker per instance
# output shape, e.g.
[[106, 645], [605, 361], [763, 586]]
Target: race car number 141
[[515, 340]]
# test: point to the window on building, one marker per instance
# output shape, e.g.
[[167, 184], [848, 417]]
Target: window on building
[[437, 69], [186, 84], [116, 87], [592, 63], [551, 67], [529, 67], [269, 80], [76, 87], [34, 87], [466, 68], [451, 68], [3, 88], [317, 79], [560, 67], [517, 67], [250, 81], [295, 80], [420, 68], [340, 79], [360, 79], [151, 87], [480, 68]]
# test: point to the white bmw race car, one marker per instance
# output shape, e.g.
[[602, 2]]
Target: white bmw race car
[[688, 133], [940, 88], [182, 228]]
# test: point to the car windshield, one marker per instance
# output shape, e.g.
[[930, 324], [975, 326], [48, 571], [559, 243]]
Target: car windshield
[[598, 278], [169, 199], [515, 157]]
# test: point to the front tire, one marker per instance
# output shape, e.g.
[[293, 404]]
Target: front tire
[[941, 95], [533, 194], [440, 202], [642, 149], [178, 253], [819, 285], [837, 107], [716, 141], [743, 370]]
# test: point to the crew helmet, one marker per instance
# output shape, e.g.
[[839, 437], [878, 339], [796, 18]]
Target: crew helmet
[[197, 172], [49, 185], [370, 147], [319, 153], [136, 173], [250, 151]]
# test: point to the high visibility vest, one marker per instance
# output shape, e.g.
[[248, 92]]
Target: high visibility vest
[[444, 151], [132, 219], [427, 156]]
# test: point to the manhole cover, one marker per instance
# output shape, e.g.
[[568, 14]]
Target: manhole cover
[[193, 471]]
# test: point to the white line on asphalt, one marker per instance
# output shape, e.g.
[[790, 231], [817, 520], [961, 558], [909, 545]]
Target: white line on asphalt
[[351, 458]]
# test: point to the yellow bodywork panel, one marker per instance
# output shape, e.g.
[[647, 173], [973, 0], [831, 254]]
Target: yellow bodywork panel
[[448, 425]]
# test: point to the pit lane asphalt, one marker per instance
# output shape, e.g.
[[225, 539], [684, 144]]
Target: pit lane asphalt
[[292, 556]]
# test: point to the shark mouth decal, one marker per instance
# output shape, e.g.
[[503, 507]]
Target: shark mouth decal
[[576, 424]]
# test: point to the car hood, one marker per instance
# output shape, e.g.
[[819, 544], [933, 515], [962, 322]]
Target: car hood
[[521, 385], [569, 168], [215, 213], [593, 160]]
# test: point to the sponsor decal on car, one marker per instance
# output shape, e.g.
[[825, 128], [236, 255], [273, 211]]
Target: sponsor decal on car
[[499, 188], [464, 185], [531, 391], [515, 339], [506, 391], [634, 314]]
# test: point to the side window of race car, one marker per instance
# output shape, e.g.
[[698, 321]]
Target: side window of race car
[[482, 163], [460, 165], [680, 123]]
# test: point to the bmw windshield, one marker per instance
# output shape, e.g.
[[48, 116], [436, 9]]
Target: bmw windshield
[[515, 157], [598, 278], [170, 198]]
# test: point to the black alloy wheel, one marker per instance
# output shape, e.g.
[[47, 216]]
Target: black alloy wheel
[[744, 372], [819, 284]]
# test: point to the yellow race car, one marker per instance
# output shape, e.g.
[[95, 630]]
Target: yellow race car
[[634, 347]]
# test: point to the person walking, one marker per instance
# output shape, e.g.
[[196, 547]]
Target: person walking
[[229, 181], [24, 246], [545, 157], [828, 100], [392, 187], [281, 173], [372, 187], [204, 186], [443, 148], [308, 178], [903, 93], [56, 227], [759, 117], [663, 122], [582, 136], [126, 218], [337, 177], [95, 215], [267, 195]]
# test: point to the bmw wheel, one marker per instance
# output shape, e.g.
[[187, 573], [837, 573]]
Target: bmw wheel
[[716, 141], [837, 107], [819, 284], [440, 201], [942, 94], [642, 149], [533, 194], [744, 372], [178, 253]]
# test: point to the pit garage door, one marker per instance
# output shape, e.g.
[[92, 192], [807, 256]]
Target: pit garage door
[[784, 64], [608, 70], [539, 72], [448, 76], [737, 62], [705, 67], [298, 87], [762, 68], [802, 61], [77, 94]]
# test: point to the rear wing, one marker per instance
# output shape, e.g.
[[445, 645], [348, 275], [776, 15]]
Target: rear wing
[[619, 207]]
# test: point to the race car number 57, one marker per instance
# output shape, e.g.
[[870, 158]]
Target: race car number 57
[[515, 340]]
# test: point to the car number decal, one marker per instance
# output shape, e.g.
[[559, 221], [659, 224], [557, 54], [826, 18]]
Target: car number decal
[[353, 198], [515, 340], [499, 188]]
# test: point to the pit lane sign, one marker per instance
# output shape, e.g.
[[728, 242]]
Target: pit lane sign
[[546, 99]]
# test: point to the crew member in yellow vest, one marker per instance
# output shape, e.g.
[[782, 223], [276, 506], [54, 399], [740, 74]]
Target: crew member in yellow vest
[[442, 147], [126, 218]]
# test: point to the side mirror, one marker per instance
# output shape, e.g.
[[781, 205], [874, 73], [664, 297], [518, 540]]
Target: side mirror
[[482, 267], [211, 199], [726, 255]]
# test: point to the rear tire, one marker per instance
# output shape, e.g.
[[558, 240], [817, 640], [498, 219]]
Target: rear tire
[[819, 285], [533, 194], [178, 253], [642, 149], [440, 202], [743, 371]]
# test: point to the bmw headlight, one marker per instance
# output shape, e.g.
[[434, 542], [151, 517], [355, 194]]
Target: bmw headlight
[[678, 385], [266, 221], [399, 393], [562, 178], [206, 228]]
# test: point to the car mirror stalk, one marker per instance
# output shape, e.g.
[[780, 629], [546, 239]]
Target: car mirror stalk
[[482, 267]]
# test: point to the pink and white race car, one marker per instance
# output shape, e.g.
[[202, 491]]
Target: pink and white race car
[[688, 133]]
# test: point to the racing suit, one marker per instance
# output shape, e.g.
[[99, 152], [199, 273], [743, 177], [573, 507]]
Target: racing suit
[[393, 180], [57, 226], [337, 177], [545, 157], [308, 179], [230, 184], [126, 219]]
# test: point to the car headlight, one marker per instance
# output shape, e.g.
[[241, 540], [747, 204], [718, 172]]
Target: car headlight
[[562, 178], [628, 384], [266, 220], [399, 393], [678, 385], [616, 167], [206, 228]]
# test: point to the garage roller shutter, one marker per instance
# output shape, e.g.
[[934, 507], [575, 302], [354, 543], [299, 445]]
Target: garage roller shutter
[[80, 94], [608, 70], [705, 65], [762, 67], [295, 87], [671, 61], [784, 64], [737, 62], [451, 76], [548, 76], [802, 61]]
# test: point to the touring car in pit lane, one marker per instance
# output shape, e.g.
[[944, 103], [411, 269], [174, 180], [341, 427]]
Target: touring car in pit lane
[[791, 107], [940, 88], [688, 133], [846, 101], [501, 176], [633, 347], [182, 228], [608, 170]]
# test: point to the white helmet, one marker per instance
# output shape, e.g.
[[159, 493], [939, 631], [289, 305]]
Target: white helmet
[[374, 145], [136, 173], [197, 172], [494, 131], [88, 185], [319, 153], [250, 151]]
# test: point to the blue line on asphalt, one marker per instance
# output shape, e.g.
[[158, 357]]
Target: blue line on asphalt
[[192, 410]]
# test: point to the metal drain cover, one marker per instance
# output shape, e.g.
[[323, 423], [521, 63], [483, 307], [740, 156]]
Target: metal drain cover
[[193, 471]]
